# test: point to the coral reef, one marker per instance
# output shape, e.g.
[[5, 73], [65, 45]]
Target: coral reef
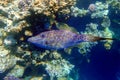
[[9, 41], [5, 2], [100, 11], [17, 71], [46, 7], [114, 4], [58, 68], [11, 78], [36, 78], [7, 61], [75, 11]]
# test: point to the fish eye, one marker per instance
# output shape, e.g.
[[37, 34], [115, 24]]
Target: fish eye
[[42, 35], [46, 42]]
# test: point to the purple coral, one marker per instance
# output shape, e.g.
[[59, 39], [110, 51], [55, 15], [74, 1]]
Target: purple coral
[[92, 7], [28, 2], [24, 4], [11, 78], [21, 5]]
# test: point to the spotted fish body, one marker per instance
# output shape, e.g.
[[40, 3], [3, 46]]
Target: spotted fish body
[[58, 39]]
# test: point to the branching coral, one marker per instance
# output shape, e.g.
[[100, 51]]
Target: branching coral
[[75, 11], [46, 7], [7, 61], [58, 68], [5, 2], [101, 10]]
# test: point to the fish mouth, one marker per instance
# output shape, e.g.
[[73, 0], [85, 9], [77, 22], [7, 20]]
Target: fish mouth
[[33, 40], [30, 40]]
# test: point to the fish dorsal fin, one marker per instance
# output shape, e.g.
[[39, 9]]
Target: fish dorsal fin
[[64, 26], [54, 26]]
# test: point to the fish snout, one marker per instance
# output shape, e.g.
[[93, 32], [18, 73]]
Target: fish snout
[[30, 40]]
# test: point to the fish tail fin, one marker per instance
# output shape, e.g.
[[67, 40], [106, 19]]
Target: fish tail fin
[[95, 38], [100, 38]]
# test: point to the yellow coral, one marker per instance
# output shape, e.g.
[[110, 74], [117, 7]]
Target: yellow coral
[[109, 34], [1, 42], [36, 78], [51, 6], [28, 33], [5, 2], [107, 45]]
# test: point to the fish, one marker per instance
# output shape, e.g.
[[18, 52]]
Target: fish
[[61, 39]]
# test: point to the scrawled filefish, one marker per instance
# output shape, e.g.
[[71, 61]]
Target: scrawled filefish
[[60, 39]]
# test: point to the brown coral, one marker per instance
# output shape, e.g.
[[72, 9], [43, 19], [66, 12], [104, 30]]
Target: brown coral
[[47, 7], [5, 2]]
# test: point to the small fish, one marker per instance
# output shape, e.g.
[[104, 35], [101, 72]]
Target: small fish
[[61, 39]]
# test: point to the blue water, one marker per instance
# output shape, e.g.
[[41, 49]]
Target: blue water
[[104, 64]]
